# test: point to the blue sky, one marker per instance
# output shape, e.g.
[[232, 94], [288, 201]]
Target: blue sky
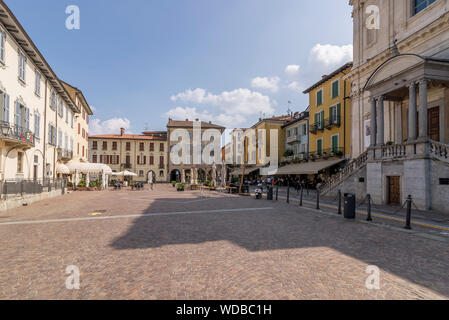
[[140, 61]]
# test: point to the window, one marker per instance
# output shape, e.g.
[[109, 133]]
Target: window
[[22, 116], [2, 46], [22, 66], [37, 89], [420, 5], [319, 146], [71, 118], [61, 108], [304, 129], [128, 146], [335, 114], [161, 147], [105, 145], [114, 146], [319, 120], [128, 160], [83, 151], [142, 146], [95, 145], [94, 158], [335, 143], [37, 125], [79, 128], [141, 173], [151, 147], [53, 100], [60, 139], [51, 135], [161, 162], [319, 97], [20, 162], [335, 89], [151, 160], [161, 174], [71, 145], [66, 114], [66, 142], [4, 107]]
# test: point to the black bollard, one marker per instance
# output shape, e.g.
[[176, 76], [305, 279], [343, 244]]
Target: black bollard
[[288, 192], [302, 193], [408, 224], [368, 198], [277, 192], [339, 203], [317, 199]]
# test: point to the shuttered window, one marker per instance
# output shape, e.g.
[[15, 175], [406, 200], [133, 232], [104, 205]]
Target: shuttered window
[[335, 89], [2, 46], [319, 97]]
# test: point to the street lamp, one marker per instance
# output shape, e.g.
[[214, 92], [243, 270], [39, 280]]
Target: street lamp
[[5, 130]]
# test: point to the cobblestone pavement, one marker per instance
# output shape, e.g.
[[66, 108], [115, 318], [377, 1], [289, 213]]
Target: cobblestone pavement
[[163, 244]]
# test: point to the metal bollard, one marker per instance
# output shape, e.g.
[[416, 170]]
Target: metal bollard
[[317, 199], [288, 192], [408, 223], [277, 192], [339, 202], [302, 193], [368, 198]]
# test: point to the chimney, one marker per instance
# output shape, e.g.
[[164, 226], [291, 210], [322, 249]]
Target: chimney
[[197, 120], [323, 76], [122, 131]]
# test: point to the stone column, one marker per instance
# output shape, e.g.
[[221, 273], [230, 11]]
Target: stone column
[[373, 122], [381, 122], [423, 109], [183, 176], [412, 113], [398, 122]]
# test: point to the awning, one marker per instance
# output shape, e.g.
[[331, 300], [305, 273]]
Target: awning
[[87, 168], [62, 169], [311, 167], [249, 170]]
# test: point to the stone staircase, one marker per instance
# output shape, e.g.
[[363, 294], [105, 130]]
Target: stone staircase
[[439, 151], [350, 169]]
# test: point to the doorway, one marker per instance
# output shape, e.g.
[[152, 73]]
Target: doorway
[[433, 121], [394, 191]]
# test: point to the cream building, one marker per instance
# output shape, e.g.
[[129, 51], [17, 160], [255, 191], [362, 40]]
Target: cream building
[[34, 106], [141, 154], [80, 125], [188, 172], [400, 103]]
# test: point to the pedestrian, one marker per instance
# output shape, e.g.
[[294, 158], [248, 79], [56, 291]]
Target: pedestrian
[[150, 180]]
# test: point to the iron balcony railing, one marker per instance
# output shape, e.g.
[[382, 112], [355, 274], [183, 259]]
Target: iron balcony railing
[[332, 122], [16, 133], [314, 128], [65, 154]]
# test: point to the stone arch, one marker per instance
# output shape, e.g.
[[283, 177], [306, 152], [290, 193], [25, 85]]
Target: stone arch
[[31, 161]]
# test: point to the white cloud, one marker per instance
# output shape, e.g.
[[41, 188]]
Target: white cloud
[[229, 108], [331, 55], [292, 69], [111, 126], [295, 86], [271, 84]]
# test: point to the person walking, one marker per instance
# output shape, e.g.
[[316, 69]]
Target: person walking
[[150, 180]]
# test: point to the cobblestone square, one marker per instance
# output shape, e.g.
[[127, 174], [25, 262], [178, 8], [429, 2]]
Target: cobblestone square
[[164, 244]]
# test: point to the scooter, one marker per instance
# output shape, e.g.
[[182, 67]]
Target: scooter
[[258, 192]]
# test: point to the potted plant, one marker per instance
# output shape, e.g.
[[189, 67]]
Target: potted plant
[[339, 153], [180, 187], [92, 186], [69, 186], [390, 143], [82, 185], [173, 183]]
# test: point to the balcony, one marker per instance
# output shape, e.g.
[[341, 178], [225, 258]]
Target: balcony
[[293, 139], [327, 153], [16, 135], [331, 123], [314, 128], [64, 154]]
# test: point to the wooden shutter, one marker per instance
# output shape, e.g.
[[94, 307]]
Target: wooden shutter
[[144, 160], [339, 113], [138, 159]]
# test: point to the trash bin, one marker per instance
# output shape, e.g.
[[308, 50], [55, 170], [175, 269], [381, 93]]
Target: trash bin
[[270, 193], [349, 206]]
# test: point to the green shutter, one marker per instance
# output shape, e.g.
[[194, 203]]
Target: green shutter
[[319, 98], [334, 143], [335, 89], [339, 113]]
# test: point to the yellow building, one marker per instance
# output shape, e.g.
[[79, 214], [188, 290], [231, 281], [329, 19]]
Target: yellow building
[[330, 115]]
